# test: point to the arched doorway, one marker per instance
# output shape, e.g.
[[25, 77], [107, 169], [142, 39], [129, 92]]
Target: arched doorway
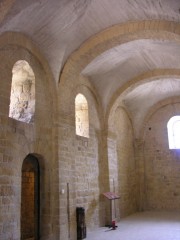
[[22, 100], [30, 199]]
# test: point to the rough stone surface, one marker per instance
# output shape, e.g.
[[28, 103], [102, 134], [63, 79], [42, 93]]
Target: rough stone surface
[[22, 100], [123, 57], [161, 164]]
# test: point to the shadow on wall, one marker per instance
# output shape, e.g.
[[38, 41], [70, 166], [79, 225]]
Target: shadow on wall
[[30, 198]]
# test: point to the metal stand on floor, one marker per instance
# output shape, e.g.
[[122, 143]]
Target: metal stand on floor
[[112, 197]]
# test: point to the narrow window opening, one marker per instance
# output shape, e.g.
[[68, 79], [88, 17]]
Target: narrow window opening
[[81, 115], [174, 132], [22, 99]]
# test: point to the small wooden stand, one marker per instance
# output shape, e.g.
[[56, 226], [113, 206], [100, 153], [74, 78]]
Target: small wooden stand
[[112, 197]]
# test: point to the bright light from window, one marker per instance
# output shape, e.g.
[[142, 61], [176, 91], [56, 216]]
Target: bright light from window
[[174, 132], [82, 119], [22, 100]]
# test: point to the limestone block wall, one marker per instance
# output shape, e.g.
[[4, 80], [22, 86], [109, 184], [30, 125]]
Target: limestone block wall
[[122, 163], [87, 182], [80, 167], [18, 139], [81, 182], [161, 165], [113, 175]]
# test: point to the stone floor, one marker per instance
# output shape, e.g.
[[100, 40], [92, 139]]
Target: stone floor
[[142, 226]]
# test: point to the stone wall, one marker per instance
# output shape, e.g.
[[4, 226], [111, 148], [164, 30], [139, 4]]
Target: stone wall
[[76, 170], [122, 164], [80, 170], [18, 139], [161, 165], [113, 176]]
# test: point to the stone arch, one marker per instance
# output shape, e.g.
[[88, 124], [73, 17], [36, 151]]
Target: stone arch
[[15, 39], [22, 138], [160, 104], [71, 75], [117, 35], [140, 142], [89, 155], [115, 107], [111, 37], [152, 149], [136, 81]]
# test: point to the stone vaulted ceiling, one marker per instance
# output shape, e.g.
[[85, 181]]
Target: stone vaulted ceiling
[[60, 27]]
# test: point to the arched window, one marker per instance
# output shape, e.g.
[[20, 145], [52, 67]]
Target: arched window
[[174, 132], [81, 115], [22, 100]]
